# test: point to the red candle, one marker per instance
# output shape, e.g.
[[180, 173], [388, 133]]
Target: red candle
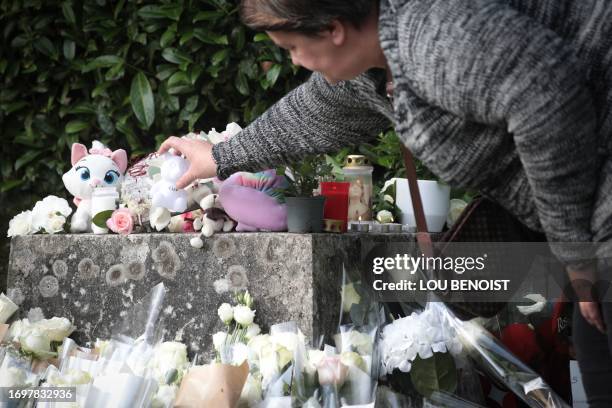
[[336, 202]]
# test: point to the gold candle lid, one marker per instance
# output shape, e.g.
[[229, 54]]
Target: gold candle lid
[[356, 160]]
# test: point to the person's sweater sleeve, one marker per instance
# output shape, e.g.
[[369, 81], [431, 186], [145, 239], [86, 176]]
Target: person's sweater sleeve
[[483, 60], [316, 117]]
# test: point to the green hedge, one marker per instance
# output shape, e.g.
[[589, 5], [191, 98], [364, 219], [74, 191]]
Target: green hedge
[[128, 73]]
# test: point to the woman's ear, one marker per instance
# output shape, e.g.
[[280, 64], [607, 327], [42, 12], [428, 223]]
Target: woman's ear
[[337, 31]]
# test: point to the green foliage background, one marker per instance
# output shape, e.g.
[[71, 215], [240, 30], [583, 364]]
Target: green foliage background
[[128, 73]]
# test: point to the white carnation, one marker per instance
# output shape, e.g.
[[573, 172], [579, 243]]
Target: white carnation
[[56, 328], [219, 339], [168, 356], [252, 331], [55, 224], [21, 224], [47, 208], [244, 315], [226, 313]]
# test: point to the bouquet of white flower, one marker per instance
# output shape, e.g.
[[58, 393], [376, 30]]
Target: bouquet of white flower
[[224, 379], [48, 215]]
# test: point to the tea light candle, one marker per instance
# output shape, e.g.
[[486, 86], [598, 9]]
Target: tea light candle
[[394, 228], [359, 226]]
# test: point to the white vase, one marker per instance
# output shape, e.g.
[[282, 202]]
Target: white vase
[[436, 202]]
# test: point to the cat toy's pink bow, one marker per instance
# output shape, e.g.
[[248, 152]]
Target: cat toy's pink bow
[[104, 152]]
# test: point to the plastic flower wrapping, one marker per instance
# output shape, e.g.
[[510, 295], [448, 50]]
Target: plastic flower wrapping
[[378, 356]]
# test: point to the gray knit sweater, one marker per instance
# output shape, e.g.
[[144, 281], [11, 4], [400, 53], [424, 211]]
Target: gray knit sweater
[[510, 97]]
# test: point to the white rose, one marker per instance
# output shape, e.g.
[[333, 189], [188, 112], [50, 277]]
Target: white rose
[[258, 343], [252, 331], [219, 339], [314, 357], [47, 208], [251, 392], [55, 224], [72, 378], [13, 377], [455, 209], [226, 313], [35, 341], [160, 218], [168, 356], [349, 297], [7, 308], [21, 224], [56, 328], [287, 340], [17, 329], [165, 396], [352, 359], [244, 315], [384, 216], [354, 340]]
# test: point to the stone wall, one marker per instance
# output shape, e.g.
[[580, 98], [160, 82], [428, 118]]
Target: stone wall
[[95, 279]]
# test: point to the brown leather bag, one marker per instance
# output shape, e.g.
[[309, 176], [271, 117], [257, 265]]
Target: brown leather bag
[[482, 221]]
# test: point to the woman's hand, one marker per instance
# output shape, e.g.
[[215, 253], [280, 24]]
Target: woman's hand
[[582, 281], [198, 153], [592, 314]]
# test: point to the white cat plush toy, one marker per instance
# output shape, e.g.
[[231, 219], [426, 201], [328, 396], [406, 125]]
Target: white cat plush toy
[[164, 192], [100, 167]]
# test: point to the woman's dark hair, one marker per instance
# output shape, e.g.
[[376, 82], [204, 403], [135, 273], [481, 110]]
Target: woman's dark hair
[[303, 16]]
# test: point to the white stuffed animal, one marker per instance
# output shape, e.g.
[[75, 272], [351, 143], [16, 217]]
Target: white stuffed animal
[[164, 193], [100, 167]]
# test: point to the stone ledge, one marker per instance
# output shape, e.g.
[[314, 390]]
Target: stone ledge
[[94, 279]]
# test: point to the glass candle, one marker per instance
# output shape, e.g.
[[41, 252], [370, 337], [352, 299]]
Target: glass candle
[[358, 172], [103, 199], [336, 202]]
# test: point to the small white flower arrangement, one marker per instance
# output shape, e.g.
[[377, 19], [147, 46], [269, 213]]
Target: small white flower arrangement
[[48, 215], [420, 334]]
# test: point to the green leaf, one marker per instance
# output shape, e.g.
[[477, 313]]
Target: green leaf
[[168, 36], [100, 218], [46, 47], [141, 97], [273, 73], [172, 12], [261, 37], [207, 15], [69, 49], [192, 103], [28, 157], [175, 56], [437, 373], [210, 38], [76, 126], [103, 61], [8, 185], [68, 12], [219, 56]]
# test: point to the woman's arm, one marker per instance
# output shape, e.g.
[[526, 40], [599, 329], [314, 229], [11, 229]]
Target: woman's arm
[[314, 118], [483, 60]]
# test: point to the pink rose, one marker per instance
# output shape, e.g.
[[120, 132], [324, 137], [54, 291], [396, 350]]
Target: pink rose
[[121, 222], [332, 371]]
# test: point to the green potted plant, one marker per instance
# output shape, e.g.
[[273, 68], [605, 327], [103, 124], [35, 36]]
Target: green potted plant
[[304, 206]]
